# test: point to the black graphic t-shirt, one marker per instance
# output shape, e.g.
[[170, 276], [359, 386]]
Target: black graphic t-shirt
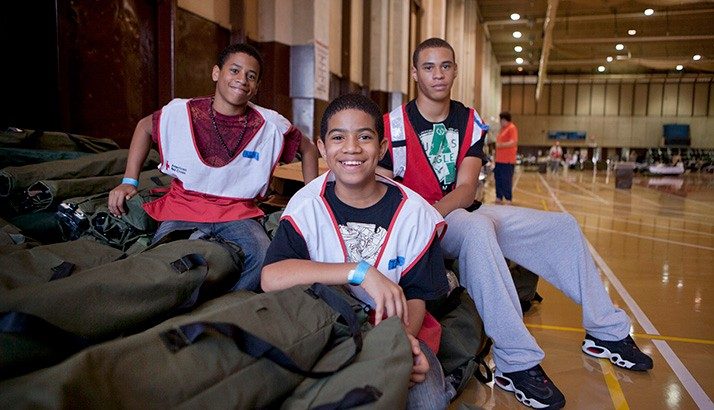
[[441, 142], [364, 231]]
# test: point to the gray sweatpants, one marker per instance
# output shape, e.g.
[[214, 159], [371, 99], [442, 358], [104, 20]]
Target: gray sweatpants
[[548, 243]]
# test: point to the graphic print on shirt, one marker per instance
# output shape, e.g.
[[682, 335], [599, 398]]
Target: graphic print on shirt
[[441, 146], [362, 241]]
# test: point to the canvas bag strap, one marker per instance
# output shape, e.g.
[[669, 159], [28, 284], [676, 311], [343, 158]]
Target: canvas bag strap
[[185, 335]]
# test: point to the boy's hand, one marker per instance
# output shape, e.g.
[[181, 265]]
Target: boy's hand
[[118, 196], [388, 296], [421, 365]]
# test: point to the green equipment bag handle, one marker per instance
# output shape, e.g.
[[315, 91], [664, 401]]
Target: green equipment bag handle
[[185, 335]]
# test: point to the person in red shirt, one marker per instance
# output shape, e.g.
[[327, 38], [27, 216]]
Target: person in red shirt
[[506, 147], [221, 151]]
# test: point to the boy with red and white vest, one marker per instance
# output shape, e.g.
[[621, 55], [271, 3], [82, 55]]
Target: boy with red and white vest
[[436, 149], [353, 227], [221, 151]]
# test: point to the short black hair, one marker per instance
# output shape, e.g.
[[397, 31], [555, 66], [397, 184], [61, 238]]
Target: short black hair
[[505, 116], [433, 42], [353, 101], [240, 48]]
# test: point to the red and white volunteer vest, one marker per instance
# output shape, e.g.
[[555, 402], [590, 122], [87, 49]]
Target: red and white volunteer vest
[[245, 177], [406, 149], [409, 236]]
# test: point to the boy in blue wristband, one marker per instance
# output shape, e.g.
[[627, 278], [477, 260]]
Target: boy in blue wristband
[[353, 227], [221, 150]]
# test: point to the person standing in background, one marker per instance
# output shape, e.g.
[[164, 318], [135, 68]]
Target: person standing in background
[[506, 147], [555, 155]]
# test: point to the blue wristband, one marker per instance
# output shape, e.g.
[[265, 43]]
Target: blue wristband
[[130, 181], [356, 275]]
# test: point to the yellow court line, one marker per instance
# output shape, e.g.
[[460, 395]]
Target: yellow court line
[[542, 202], [616, 394], [645, 335]]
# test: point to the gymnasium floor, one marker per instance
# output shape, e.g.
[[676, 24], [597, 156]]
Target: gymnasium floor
[[654, 246]]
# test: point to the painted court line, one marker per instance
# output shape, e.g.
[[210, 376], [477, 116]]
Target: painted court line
[[644, 213], [651, 238], [654, 226], [613, 385], [685, 377], [638, 335]]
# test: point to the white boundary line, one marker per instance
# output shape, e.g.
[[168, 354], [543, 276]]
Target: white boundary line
[[652, 238], [633, 212], [685, 377]]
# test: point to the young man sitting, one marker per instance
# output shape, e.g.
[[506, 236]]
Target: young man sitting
[[352, 227]]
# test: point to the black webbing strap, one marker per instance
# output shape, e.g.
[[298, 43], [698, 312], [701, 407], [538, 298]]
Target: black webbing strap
[[188, 262], [185, 335], [354, 398], [399, 143], [31, 325], [62, 270], [483, 373]]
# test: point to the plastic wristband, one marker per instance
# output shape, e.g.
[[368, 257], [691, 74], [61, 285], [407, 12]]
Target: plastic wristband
[[356, 275], [130, 181]]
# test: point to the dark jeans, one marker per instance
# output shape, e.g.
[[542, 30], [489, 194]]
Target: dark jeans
[[247, 233], [503, 173]]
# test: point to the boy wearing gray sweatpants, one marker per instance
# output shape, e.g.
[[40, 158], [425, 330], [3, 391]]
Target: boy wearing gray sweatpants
[[436, 149]]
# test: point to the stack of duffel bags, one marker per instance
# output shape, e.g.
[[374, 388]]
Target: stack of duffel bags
[[96, 317], [84, 325]]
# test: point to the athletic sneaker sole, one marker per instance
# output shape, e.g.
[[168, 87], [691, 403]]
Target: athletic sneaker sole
[[507, 384], [592, 349]]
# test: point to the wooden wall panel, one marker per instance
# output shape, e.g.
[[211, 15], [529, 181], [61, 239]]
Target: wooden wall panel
[[569, 99], [654, 100], [516, 99], [612, 99], [669, 99], [583, 103], [529, 99], [685, 99], [543, 105], [711, 99], [506, 97], [626, 95], [556, 99], [109, 66], [597, 99], [198, 42], [701, 99], [639, 105]]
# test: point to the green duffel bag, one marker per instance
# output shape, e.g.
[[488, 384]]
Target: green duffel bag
[[238, 351], [46, 194], [14, 180], [103, 302], [43, 263], [89, 216], [380, 374], [464, 343], [54, 141], [12, 239]]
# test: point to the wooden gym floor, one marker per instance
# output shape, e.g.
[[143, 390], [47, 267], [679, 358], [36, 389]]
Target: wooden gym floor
[[654, 246]]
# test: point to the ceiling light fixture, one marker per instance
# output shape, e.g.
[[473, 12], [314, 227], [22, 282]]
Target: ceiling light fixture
[[609, 59], [515, 16], [619, 47], [696, 57], [517, 34], [679, 67], [520, 69], [519, 60], [517, 49], [631, 32], [649, 12], [601, 68]]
